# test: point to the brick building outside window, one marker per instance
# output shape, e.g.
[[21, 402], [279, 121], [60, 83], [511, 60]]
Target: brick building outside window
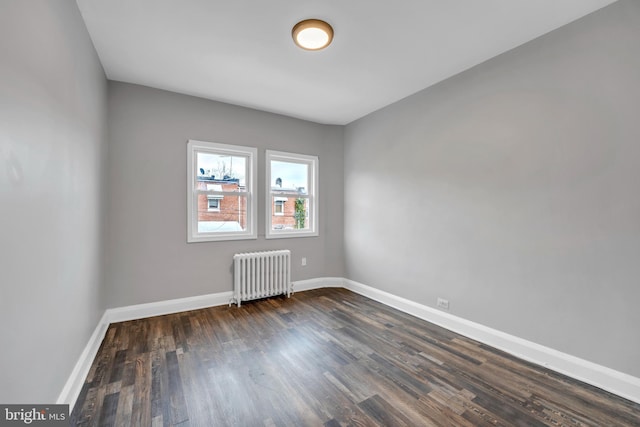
[[217, 212]]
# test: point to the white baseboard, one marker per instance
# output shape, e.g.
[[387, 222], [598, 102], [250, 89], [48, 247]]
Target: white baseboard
[[616, 382], [608, 379], [322, 282], [74, 383], [140, 311]]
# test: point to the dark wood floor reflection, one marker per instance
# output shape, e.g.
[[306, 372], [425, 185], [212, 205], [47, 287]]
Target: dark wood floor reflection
[[327, 357]]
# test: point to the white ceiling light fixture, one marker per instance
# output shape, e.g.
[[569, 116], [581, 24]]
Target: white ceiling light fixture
[[312, 34]]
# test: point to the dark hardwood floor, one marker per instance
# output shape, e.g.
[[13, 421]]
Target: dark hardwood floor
[[327, 357]]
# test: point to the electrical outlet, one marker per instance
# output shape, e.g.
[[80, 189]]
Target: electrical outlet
[[304, 261], [443, 303]]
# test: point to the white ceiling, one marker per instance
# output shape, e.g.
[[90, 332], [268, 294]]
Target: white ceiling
[[241, 52]]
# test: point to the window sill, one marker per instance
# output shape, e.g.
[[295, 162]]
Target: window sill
[[290, 234]]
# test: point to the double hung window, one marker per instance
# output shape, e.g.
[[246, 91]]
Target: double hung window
[[221, 185], [292, 195]]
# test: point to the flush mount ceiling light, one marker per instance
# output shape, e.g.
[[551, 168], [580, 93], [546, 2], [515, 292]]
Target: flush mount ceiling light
[[312, 34]]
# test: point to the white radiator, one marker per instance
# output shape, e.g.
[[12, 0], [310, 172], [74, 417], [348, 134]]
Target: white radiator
[[261, 274]]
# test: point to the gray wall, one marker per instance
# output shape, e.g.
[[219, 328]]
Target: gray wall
[[512, 190], [53, 99], [148, 258]]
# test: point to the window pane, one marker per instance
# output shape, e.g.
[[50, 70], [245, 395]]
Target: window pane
[[288, 176], [291, 202], [229, 213], [221, 200], [294, 214], [221, 167], [279, 207], [214, 202]]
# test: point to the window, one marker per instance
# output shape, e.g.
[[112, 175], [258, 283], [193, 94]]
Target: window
[[221, 182], [278, 207], [214, 203], [292, 195]]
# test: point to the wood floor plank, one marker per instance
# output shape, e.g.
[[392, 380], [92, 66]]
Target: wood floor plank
[[118, 366], [178, 404], [383, 412], [141, 408], [109, 409], [125, 404], [326, 357]]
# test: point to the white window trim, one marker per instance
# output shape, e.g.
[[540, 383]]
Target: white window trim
[[251, 232], [312, 194]]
